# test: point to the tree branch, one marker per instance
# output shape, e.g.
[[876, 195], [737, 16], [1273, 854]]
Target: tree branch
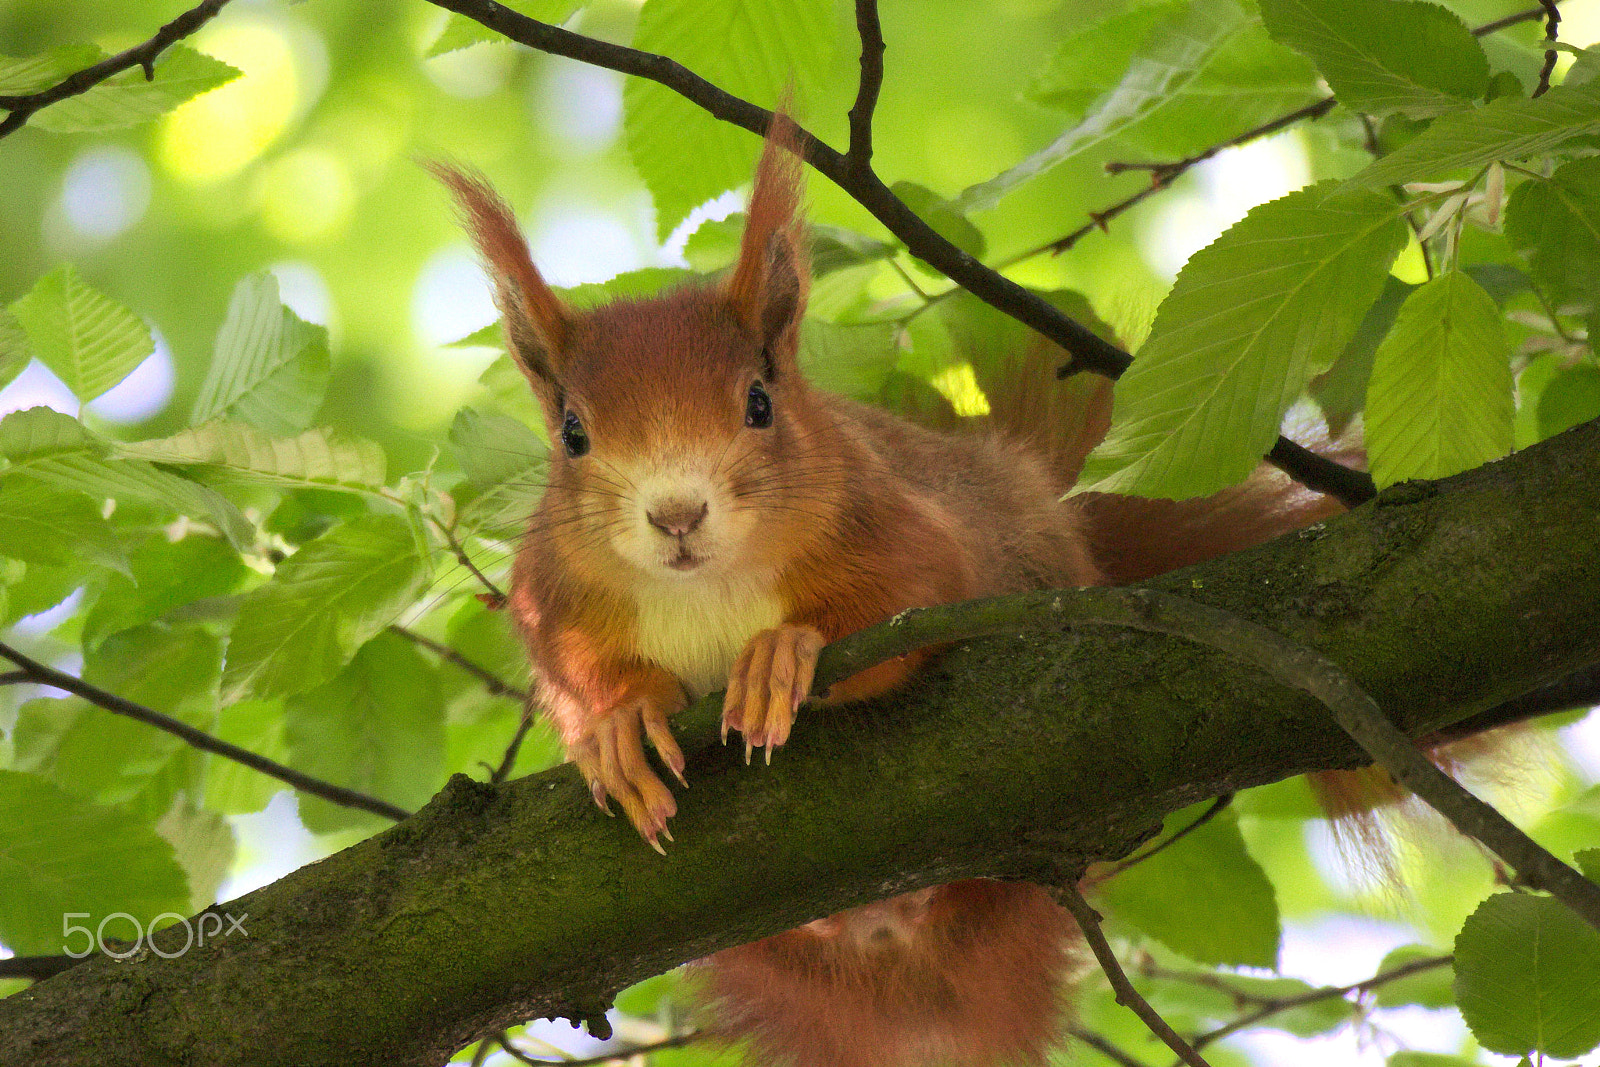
[[496, 685], [859, 156], [37, 968], [22, 107], [1552, 19], [1002, 759], [40, 674]]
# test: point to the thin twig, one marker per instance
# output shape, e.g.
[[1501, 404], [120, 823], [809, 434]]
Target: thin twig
[[1348, 486], [15, 678], [1089, 923], [491, 681], [1206, 816], [859, 155], [1525, 15], [1552, 19], [22, 107], [1104, 1047], [1312, 996], [507, 761], [497, 596], [39, 674], [688, 1037], [38, 968]]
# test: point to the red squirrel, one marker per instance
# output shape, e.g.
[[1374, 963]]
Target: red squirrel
[[712, 520]]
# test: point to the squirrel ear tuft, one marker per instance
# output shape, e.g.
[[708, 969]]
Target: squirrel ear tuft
[[536, 321], [768, 287]]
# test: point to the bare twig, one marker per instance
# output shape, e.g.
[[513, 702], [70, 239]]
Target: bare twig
[[15, 678], [40, 674], [1104, 1047], [491, 681], [22, 107], [1552, 19], [859, 155], [1089, 923], [496, 595], [1525, 15], [1347, 485], [1165, 843], [688, 1037], [509, 760]]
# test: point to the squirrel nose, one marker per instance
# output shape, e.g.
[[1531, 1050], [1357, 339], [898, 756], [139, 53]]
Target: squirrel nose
[[677, 517]]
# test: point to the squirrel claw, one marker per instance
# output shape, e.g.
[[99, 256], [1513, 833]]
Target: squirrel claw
[[767, 685]]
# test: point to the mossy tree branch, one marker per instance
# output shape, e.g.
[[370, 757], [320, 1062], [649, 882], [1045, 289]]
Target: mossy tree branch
[[1021, 756]]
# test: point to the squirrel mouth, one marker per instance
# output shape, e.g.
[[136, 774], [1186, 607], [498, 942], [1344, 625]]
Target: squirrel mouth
[[684, 561]]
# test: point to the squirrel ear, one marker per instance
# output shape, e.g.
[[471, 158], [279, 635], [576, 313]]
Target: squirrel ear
[[536, 321], [768, 287]]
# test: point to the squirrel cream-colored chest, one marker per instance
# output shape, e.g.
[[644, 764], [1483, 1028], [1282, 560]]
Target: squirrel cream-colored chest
[[697, 629]]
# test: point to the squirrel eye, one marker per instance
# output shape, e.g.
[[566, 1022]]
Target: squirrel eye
[[757, 407], [572, 435]]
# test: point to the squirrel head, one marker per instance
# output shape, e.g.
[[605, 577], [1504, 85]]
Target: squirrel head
[[675, 421]]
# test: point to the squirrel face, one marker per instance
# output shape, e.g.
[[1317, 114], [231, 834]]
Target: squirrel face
[[669, 435]]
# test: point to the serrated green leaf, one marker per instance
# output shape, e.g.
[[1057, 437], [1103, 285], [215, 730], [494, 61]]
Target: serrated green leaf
[[1584, 69], [1341, 391], [1431, 988], [20, 75], [89, 340], [163, 575], [377, 726], [1556, 221], [127, 99], [1528, 977], [1250, 319], [1440, 401], [113, 759], [319, 458], [1383, 56], [268, 367], [42, 524], [1247, 81], [462, 32], [1508, 128], [750, 48], [493, 449], [325, 601], [58, 855], [14, 350], [60, 450], [1172, 58], [256, 726], [203, 844], [1204, 898]]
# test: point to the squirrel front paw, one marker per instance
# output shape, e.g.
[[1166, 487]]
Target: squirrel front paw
[[613, 762], [768, 681]]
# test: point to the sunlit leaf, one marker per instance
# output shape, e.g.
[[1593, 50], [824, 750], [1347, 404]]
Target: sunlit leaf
[[127, 99], [163, 576], [1508, 128], [325, 601], [462, 32], [20, 75], [1431, 988], [269, 368], [492, 448], [55, 852], [14, 351], [1439, 401], [318, 458], [1250, 319], [945, 217], [42, 524], [1382, 56], [203, 844], [1528, 977], [89, 340], [750, 48]]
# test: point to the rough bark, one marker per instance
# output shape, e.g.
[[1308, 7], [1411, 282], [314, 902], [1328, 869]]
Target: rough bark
[[1011, 757]]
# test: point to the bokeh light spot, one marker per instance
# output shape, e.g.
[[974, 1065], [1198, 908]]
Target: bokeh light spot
[[218, 133], [104, 191]]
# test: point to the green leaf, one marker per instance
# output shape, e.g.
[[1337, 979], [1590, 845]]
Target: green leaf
[[89, 340], [1556, 222], [1167, 64], [268, 368], [319, 458], [326, 601], [256, 726], [1431, 988], [114, 759], [60, 450], [1383, 56], [21, 75], [14, 350], [1528, 977], [1341, 391], [1584, 69], [61, 855], [1247, 81], [1427, 1059], [1251, 318], [1588, 861], [163, 575], [1440, 401], [202, 842], [493, 449], [42, 524], [1204, 898], [750, 48], [1508, 128], [462, 32], [127, 99], [378, 726], [1572, 396], [851, 360], [40, 588], [945, 218]]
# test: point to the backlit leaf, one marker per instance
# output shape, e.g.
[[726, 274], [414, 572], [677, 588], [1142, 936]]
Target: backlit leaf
[[318, 458], [127, 99], [89, 340]]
